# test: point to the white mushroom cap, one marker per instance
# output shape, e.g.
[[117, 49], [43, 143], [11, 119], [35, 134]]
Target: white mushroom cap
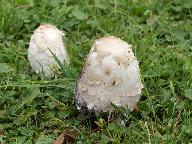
[[111, 74], [45, 38]]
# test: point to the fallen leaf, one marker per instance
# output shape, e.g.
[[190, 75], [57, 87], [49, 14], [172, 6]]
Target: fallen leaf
[[65, 139], [1, 132], [136, 108]]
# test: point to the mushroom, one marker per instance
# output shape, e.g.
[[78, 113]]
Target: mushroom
[[46, 39], [110, 74]]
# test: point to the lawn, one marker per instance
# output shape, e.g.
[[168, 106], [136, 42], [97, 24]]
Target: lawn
[[38, 111]]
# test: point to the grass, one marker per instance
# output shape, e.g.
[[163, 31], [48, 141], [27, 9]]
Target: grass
[[38, 111]]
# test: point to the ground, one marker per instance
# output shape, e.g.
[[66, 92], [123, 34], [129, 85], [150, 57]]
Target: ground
[[38, 111]]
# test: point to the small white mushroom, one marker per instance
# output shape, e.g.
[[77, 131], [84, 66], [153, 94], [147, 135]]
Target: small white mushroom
[[46, 38], [111, 74]]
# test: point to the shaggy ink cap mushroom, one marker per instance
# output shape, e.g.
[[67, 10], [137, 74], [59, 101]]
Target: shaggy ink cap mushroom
[[110, 74], [46, 38]]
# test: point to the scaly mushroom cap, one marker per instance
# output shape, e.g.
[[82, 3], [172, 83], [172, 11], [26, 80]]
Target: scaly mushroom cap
[[110, 75], [45, 38]]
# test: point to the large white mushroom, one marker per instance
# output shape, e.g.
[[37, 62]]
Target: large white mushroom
[[46, 38], [111, 74]]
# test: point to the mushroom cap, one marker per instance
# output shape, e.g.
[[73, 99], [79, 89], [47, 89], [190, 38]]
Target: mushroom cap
[[45, 38], [110, 74]]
